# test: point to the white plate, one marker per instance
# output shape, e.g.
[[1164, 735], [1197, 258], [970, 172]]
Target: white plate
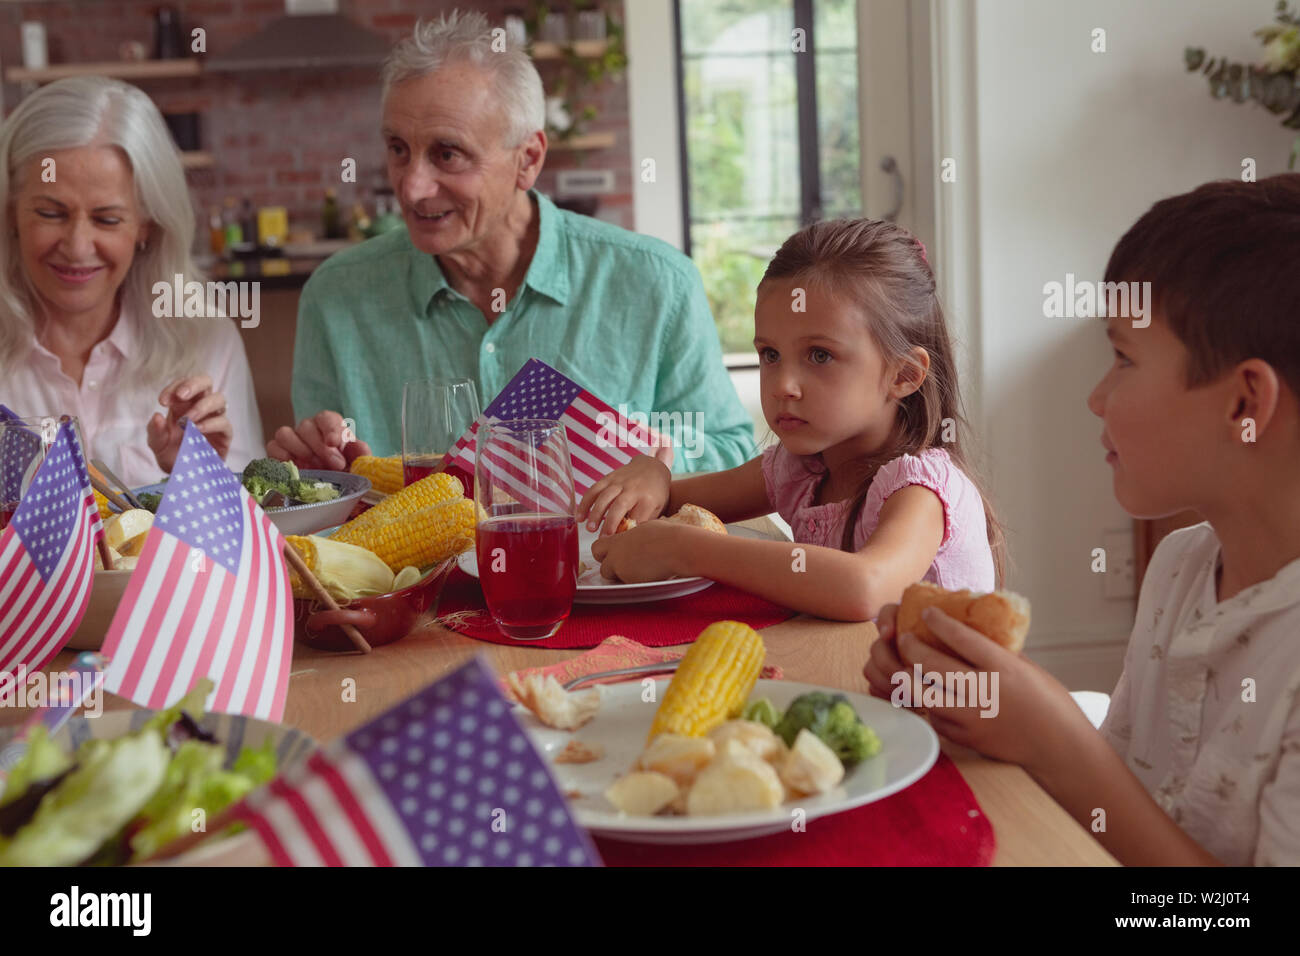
[[909, 749], [594, 589]]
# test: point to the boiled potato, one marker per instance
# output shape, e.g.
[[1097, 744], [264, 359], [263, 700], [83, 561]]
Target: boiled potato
[[810, 766], [642, 793], [735, 782], [757, 737], [677, 756], [121, 528]]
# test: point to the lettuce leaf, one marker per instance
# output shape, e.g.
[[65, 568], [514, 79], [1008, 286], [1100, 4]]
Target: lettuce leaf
[[44, 759], [112, 782]]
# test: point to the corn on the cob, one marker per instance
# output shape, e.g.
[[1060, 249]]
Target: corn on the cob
[[712, 682], [419, 537], [432, 490], [104, 509], [385, 474], [346, 571]]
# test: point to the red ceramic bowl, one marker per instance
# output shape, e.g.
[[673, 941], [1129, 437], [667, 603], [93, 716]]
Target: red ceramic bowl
[[381, 619]]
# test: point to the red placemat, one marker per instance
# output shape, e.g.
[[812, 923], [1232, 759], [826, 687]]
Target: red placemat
[[657, 624], [934, 822]]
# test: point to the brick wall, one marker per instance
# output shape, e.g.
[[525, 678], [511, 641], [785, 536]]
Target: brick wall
[[279, 137]]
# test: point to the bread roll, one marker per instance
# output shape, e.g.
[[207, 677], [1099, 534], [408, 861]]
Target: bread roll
[[1000, 615], [698, 517]]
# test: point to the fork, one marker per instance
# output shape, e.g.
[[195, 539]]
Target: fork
[[661, 667], [104, 470]]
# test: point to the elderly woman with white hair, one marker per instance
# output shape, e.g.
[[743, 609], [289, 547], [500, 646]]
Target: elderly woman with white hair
[[98, 211]]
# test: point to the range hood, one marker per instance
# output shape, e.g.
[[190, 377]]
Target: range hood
[[305, 38]]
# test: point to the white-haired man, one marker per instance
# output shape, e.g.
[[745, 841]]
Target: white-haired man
[[489, 273]]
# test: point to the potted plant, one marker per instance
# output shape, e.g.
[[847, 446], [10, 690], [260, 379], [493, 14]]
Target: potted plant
[[1274, 83]]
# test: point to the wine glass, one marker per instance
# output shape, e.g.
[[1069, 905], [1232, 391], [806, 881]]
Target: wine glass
[[527, 541], [24, 443], [435, 414]]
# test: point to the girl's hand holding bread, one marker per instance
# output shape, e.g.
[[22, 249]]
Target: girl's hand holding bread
[[639, 490]]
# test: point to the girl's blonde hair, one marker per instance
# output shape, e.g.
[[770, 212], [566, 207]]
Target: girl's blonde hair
[[882, 270], [94, 110]]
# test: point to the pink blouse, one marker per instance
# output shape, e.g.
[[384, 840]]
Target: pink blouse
[[114, 408], [964, 560]]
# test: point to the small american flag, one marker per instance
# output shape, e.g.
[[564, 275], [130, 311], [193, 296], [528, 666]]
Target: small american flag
[[209, 597], [600, 439], [47, 557], [446, 778]]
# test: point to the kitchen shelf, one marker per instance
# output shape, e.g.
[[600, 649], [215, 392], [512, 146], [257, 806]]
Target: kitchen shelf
[[586, 141], [588, 49], [122, 70]]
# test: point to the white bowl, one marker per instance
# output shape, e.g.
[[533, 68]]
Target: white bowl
[[234, 733]]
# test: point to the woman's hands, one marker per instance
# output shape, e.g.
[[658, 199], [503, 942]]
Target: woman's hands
[[638, 490], [1026, 717], [322, 442], [193, 398]]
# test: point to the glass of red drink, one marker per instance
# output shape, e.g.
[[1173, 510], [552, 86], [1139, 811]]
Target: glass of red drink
[[434, 414], [527, 541]]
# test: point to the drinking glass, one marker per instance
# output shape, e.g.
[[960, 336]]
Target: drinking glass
[[434, 414], [23, 445], [527, 541]]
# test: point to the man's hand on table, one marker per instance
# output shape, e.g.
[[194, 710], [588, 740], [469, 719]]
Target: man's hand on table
[[322, 442]]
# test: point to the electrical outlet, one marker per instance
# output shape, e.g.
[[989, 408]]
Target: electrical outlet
[[1121, 572]]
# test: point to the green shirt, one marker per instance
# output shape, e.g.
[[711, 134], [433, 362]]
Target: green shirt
[[623, 315]]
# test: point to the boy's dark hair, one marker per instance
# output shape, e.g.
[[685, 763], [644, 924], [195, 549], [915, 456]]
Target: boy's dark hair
[[1224, 265]]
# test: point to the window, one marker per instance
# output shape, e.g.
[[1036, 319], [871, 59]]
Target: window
[[770, 133]]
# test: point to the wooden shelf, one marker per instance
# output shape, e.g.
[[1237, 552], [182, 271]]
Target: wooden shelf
[[194, 159], [122, 70], [586, 141], [588, 49]]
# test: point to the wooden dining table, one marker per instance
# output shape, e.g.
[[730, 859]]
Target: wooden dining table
[[331, 693]]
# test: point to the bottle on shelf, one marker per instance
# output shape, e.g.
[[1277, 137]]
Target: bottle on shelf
[[248, 222], [230, 220], [216, 232], [330, 225]]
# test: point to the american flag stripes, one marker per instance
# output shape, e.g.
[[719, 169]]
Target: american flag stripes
[[445, 778], [47, 557], [600, 439], [209, 597]]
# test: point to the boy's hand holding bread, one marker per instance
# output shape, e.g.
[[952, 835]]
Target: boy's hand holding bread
[[1021, 694]]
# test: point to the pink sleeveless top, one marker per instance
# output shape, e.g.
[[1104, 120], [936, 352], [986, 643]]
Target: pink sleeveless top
[[964, 559]]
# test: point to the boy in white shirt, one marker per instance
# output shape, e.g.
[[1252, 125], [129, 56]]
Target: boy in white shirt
[[1198, 760]]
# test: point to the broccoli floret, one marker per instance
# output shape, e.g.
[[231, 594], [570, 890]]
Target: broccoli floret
[[312, 491], [271, 471], [260, 487], [834, 721], [763, 711]]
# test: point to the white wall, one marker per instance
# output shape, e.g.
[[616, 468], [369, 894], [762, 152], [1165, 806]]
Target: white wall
[[1072, 146]]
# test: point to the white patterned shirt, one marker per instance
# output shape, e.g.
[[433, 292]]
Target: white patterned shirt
[[1207, 710]]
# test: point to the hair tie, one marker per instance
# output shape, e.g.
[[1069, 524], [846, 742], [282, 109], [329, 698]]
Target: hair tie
[[921, 246]]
